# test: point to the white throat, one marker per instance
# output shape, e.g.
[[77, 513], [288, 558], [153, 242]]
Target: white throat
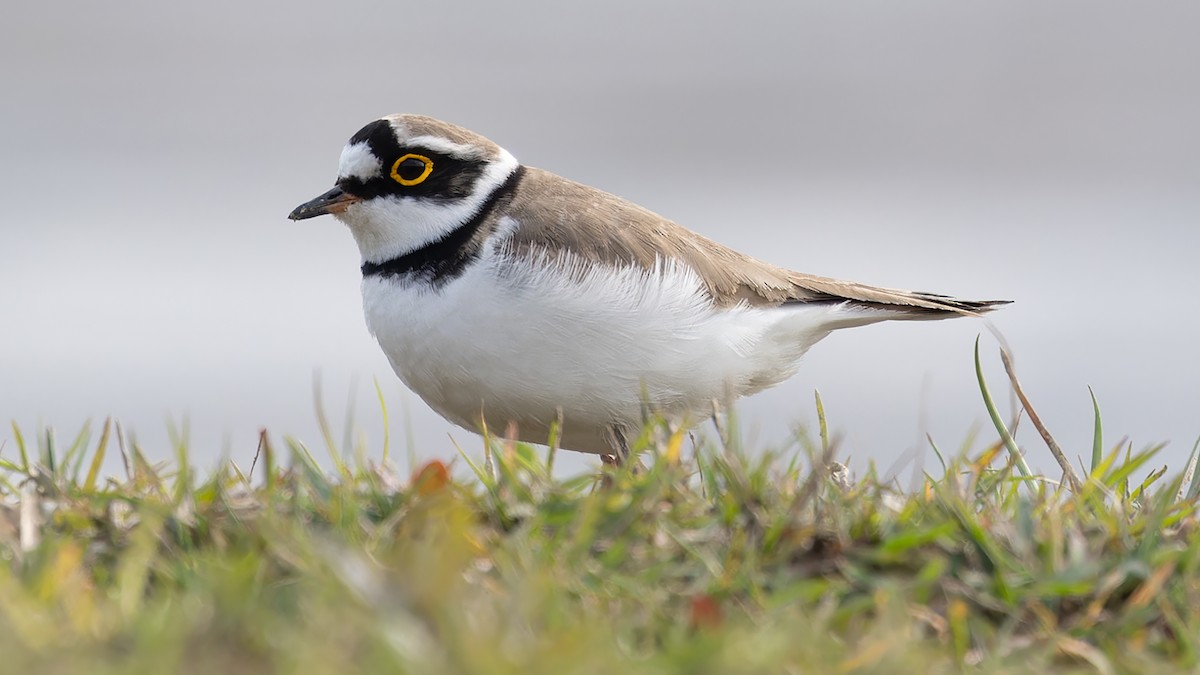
[[389, 227]]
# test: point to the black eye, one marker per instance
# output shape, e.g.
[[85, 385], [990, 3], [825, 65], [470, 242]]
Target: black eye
[[412, 169]]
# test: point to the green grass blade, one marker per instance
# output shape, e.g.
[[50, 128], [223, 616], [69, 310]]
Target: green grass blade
[[1116, 476], [821, 422], [93, 474], [1097, 432], [997, 421], [314, 478], [383, 411], [331, 446], [271, 473], [21, 448], [49, 452], [73, 459], [480, 472], [938, 452]]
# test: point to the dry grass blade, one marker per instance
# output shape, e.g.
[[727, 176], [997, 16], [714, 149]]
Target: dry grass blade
[[30, 517], [1055, 450]]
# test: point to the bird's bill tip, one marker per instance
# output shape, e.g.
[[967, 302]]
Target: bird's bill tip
[[334, 201]]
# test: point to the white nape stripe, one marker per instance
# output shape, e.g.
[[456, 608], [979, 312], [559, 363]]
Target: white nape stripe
[[447, 147], [387, 227], [435, 143], [357, 161]]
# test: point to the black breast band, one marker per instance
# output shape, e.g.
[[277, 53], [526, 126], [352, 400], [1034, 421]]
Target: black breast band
[[445, 258]]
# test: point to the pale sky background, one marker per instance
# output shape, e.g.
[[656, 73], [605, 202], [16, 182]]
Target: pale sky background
[[1047, 153]]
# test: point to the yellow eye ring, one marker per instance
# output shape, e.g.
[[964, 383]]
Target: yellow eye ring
[[412, 181]]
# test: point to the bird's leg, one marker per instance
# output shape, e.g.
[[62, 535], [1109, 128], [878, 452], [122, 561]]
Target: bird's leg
[[620, 446], [620, 454]]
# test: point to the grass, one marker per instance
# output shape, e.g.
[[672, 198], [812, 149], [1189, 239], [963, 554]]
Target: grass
[[713, 560]]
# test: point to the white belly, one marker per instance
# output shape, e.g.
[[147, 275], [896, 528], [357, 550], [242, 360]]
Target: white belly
[[513, 341]]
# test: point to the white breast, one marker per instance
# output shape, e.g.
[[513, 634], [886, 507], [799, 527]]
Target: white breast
[[516, 338]]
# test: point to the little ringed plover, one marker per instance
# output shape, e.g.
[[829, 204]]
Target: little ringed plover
[[508, 296]]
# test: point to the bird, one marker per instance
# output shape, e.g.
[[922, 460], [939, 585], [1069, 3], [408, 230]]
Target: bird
[[513, 300]]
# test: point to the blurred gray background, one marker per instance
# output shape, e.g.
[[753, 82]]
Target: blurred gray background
[[1042, 152]]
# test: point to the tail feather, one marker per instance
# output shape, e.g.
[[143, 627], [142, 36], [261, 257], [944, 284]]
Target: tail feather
[[900, 303], [931, 306]]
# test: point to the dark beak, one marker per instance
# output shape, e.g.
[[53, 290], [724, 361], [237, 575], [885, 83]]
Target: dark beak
[[334, 201]]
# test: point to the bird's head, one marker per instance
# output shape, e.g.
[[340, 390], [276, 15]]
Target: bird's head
[[405, 181]]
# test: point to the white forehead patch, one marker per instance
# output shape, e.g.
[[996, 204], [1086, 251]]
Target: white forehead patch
[[358, 162]]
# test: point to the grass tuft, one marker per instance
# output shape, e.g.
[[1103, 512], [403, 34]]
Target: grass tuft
[[715, 560]]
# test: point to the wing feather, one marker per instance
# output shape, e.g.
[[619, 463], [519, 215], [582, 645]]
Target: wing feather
[[557, 215]]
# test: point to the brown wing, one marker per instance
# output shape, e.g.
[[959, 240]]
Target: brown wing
[[558, 215]]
